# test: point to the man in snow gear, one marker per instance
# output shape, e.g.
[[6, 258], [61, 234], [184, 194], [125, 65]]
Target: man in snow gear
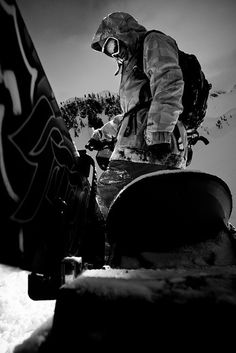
[[148, 134]]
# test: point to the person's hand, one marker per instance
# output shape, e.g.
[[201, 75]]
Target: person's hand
[[95, 141], [94, 144], [96, 135]]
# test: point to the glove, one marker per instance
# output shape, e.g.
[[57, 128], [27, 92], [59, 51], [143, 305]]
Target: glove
[[96, 135], [94, 144], [160, 150]]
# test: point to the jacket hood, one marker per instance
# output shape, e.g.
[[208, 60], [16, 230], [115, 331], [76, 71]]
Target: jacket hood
[[120, 25]]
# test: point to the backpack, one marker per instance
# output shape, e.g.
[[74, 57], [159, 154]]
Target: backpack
[[196, 90]]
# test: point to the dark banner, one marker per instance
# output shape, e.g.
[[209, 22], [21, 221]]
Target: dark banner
[[43, 194]]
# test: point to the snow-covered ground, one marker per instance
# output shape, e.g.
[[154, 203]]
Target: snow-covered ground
[[19, 315]]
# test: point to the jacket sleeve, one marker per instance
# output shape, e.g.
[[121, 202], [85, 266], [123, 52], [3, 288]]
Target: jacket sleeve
[[166, 84], [109, 130]]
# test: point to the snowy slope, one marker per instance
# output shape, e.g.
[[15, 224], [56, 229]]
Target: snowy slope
[[220, 128], [19, 315]]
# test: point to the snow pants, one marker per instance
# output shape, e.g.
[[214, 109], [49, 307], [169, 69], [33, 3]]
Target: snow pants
[[117, 176]]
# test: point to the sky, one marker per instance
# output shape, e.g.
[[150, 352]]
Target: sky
[[62, 31]]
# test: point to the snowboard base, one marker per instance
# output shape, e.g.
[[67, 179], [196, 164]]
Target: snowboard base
[[163, 210]]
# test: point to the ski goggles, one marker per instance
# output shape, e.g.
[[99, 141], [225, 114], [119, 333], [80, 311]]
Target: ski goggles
[[111, 47]]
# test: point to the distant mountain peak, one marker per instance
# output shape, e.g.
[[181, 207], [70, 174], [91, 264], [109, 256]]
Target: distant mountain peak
[[217, 93], [233, 89], [222, 125]]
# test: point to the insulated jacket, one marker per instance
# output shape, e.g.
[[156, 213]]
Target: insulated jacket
[[151, 90]]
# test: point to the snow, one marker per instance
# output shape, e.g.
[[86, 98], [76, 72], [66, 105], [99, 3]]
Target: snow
[[19, 315], [218, 157], [221, 104]]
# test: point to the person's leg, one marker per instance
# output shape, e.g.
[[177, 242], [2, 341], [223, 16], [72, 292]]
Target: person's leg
[[110, 183], [116, 177]]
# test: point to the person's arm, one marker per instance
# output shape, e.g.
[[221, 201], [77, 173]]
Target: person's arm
[[109, 130], [166, 84], [107, 133]]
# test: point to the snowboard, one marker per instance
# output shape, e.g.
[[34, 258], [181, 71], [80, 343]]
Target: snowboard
[[43, 180], [164, 210]]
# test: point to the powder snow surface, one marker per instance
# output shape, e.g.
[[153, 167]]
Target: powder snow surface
[[19, 315]]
